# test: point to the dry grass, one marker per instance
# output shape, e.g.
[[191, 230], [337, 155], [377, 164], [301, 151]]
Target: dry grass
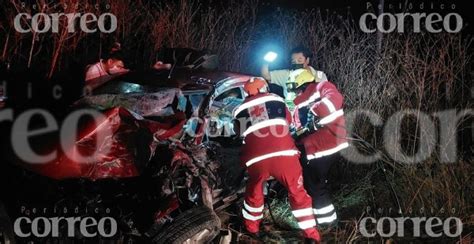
[[425, 72]]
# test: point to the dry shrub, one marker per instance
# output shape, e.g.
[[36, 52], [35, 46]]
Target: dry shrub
[[426, 72]]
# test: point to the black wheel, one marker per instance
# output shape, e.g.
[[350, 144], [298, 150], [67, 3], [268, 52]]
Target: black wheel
[[6, 232], [197, 225]]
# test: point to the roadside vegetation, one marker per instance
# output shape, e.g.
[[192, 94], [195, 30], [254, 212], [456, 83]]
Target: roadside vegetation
[[424, 72]]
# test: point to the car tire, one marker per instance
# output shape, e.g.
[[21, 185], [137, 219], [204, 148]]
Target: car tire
[[196, 225], [6, 227]]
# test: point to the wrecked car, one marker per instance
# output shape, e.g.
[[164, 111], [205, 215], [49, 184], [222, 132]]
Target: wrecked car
[[218, 93], [160, 177]]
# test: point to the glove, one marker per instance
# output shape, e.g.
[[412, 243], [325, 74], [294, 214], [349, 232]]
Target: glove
[[312, 123]]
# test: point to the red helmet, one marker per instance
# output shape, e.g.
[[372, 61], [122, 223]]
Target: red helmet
[[255, 86]]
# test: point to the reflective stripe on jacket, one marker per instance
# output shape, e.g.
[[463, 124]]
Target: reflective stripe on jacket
[[326, 102], [263, 122]]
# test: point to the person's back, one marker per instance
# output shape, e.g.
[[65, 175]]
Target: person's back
[[264, 125], [269, 151]]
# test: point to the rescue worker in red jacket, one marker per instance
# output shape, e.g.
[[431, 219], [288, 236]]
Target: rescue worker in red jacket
[[321, 134], [269, 151]]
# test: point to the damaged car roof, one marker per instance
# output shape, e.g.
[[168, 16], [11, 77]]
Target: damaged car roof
[[150, 81]]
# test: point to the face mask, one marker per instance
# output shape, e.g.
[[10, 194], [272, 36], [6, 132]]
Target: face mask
[[291, 87], [297, 66]]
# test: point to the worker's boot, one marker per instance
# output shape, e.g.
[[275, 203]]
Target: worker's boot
[[254, 236], [312, 236], [310, 241], [251, 229]]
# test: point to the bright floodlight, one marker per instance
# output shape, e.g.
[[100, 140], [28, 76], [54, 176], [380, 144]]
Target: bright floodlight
[[270, 56]]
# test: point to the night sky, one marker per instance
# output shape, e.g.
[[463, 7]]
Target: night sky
[[357, 8]]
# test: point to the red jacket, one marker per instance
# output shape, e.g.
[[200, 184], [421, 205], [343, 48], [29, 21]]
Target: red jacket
[[263, 121], [326, 102]]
